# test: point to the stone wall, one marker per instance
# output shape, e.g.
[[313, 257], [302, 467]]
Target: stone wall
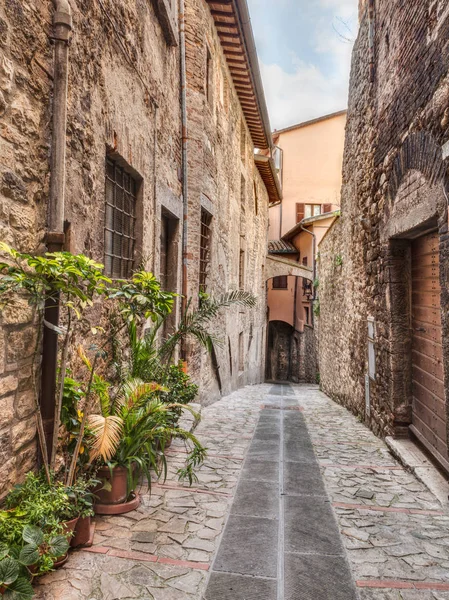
[[393, 179], [124, 102], [216, 170]]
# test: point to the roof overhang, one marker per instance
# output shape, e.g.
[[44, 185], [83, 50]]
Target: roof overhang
[[233, 25], [307, 222], [268, 172], [281, 247]]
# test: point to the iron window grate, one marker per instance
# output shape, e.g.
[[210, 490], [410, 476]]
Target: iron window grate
[[120, 221], [205, 239]]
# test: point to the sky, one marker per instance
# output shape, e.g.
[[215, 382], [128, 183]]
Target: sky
[[304, 49]]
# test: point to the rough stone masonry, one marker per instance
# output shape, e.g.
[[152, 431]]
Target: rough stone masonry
[[393, 191]]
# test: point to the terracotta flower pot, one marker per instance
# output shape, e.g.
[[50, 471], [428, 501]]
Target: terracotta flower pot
[[83, 532], [119, 486], [69, 528], [61, 561], [119, 509]]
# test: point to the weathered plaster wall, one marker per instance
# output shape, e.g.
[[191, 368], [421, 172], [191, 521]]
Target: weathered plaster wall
[[215, 174], [392, 184]]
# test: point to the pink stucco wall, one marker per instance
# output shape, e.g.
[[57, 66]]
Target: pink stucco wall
[[312, 169]]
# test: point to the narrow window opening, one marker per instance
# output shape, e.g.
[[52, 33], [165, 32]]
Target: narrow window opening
[[242, 270], [241, 353], [230, 355], [242, 193], [256, 200], [242, 140], [205, 240], [120, 220], [209, 77]]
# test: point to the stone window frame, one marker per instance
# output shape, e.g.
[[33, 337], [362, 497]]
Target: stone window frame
[[167, 11]]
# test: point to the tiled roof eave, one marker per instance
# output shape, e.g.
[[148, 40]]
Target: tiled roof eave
[[234, 30]]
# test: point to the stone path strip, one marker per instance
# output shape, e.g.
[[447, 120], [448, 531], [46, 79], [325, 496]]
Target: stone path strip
[[325, 491], [281, 532]]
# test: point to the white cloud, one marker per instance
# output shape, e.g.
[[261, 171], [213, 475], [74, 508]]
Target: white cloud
[[305, 94], [309, 90]]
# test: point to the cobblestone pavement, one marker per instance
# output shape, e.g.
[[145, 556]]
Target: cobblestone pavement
[[395, 532]]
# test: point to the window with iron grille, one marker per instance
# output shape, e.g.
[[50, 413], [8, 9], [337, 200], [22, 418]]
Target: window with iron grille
[[120, 220], [205, 239], [280, 282]]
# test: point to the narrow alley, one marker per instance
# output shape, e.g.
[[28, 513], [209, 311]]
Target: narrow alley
[[285, 466]]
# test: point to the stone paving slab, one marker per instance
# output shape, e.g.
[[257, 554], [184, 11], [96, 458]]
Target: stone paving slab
[[312, 578], [225, 586], [249, 547], [394, 532]]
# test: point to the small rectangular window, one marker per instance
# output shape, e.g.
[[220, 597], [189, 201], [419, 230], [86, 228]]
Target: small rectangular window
[[205, 240], [280, 282], [312, 210], [120, 220], [256, 200], [304, 261], [242, 140], [243, 193], [242, 270], [241, 353]]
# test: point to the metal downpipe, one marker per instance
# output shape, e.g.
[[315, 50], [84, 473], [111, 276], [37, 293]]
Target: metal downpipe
[[62, 27], [185, 256]]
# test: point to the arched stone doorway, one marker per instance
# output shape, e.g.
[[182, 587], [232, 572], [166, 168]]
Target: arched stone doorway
[[291, 342]]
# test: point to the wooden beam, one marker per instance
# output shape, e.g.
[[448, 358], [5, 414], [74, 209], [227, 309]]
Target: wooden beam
[[222, 13]]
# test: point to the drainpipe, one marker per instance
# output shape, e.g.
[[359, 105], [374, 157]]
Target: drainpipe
[[62, 26], [314, 269], [185, 255]]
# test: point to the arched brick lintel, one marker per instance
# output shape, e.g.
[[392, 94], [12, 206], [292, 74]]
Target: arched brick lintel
[[421, 152]]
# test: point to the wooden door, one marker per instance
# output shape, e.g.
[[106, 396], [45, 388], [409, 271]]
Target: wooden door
[[429, 410]]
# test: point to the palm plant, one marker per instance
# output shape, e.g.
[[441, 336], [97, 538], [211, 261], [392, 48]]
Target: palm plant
[[150, 359], [129, 426]]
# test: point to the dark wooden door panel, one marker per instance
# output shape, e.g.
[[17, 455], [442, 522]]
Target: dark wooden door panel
[[429, 410]]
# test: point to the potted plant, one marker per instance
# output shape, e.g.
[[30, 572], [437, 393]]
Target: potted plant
[[48, 506], [83, 497], [126, 430], [34, 554]]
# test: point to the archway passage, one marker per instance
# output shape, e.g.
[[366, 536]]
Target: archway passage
[[282, 358]]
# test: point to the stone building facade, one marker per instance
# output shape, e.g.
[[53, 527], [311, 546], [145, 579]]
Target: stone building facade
[[383, 265], [124, 120]]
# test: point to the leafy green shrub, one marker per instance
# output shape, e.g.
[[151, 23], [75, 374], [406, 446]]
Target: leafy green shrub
[[34, 554], [181, 389]]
